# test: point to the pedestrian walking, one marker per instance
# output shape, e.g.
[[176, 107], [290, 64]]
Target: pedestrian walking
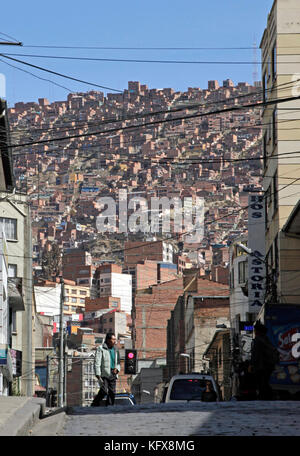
[[264, 357], [247, 383], [107, 367]]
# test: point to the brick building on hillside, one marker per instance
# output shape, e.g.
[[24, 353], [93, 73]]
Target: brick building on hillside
[[134, 252], [193, 323], [152, 310]]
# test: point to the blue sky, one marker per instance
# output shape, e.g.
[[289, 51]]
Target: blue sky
[[131, 23]]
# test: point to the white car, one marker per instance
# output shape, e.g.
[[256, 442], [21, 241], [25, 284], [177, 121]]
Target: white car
[[190, 387]]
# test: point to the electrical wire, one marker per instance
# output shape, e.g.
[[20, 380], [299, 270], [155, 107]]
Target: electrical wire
[[60, 74], [97, 59]]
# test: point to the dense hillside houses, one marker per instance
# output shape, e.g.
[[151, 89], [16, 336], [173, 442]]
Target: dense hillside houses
[[194, 157]]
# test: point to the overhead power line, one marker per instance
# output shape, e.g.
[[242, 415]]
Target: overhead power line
[[101, 59], [60, 74], [155, 48], [35, 76]]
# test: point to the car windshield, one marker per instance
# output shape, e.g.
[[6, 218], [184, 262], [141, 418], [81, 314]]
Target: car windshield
[[187, 389]]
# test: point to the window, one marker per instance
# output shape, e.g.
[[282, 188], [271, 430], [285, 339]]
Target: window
[[12, 270], [110, 320], [83, 293], [242, 271], [274, 62], [67, 299], [74, 292], [268, 196], [82, 301], [265, 151], [269, 67], [275, 190], [9, 227], [66, 308], [265, 87], [74, 299], [13, 320], [274, 127], [275, 245]]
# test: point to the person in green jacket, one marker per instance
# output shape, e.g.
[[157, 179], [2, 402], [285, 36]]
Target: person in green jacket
[[107, 367]]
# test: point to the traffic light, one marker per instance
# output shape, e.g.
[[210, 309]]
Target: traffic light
[[130, 362]]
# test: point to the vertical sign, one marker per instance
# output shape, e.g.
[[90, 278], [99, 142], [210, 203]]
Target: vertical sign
[[256, 242]]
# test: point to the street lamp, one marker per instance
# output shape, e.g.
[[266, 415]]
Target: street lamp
[[249, 252], [246, 249], [186, 355]]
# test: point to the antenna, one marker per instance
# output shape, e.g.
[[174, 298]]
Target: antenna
[[255, 71]]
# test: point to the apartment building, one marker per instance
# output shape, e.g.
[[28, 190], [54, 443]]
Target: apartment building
[[77, 266], [280, 50], [110, 281], [75, 297]]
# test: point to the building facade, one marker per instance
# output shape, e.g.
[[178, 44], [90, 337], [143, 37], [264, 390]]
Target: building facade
[[281, 140]]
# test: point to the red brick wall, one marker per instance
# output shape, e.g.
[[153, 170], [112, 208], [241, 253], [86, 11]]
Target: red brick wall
[[146, 275], [139, 251], [152, 312], [92, 305]]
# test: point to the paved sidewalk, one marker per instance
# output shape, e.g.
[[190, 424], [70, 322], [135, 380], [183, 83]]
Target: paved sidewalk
[[20, 414]]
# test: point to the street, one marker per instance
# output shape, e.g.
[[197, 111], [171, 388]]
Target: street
[[233, 418]]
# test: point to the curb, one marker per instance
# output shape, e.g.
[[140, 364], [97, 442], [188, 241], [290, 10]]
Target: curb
[[50, 425], [24, 418]]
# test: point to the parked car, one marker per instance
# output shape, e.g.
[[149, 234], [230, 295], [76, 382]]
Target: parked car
[[125, 399], [190, 387], [121, 399]]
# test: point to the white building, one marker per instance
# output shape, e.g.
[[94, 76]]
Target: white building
[[5, 362], [47, 300], [117, 285], [15, 221]]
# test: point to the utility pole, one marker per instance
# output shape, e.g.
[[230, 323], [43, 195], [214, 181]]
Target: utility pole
[[47, 382], [61, 347], [65, 370]]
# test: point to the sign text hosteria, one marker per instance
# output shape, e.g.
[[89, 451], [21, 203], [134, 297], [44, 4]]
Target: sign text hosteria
[[256, 242]]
